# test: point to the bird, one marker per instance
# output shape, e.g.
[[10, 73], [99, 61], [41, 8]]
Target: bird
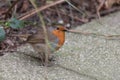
[[47, 44]]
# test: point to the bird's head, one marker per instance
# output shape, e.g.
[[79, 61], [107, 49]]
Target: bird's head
[[59, 32]]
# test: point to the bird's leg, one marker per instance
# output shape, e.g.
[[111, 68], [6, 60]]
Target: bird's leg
[[42, 57], [48, 60]]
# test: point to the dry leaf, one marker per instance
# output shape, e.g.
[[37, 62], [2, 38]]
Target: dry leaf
[[109, 3]]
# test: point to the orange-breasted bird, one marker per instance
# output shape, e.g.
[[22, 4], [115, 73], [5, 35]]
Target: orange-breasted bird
[[56, 38]]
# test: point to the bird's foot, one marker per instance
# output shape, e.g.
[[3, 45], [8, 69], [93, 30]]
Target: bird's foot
[[52, 58]]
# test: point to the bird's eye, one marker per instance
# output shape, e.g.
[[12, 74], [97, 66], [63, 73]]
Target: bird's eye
[[57, 28]]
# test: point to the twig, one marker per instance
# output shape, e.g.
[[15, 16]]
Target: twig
[[99, 7], [81, 12], [96, 34], [73, 17], [105, 12], [5, 51], [7, 12], [41, 9]]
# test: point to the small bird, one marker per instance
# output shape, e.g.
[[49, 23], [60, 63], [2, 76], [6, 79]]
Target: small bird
[[56, 38]]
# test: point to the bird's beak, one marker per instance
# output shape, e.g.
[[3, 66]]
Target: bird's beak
[[66, 29]]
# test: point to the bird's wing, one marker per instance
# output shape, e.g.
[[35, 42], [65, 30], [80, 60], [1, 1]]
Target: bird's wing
[[37, 37]]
